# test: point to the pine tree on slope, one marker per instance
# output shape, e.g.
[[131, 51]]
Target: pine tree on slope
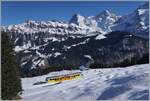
[[10, 76]]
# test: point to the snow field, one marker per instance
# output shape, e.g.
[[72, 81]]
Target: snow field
[[128, 83]]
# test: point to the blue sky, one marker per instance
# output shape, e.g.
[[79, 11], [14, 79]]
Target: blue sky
[[17, 12]]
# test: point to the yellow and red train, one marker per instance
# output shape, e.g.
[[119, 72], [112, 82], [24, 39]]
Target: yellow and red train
[[61, 78]]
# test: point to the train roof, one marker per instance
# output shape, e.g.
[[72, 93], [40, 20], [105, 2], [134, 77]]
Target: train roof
[[63, 75]]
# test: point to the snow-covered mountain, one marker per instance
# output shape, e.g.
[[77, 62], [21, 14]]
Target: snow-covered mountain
[[87, 22], [80, 40], [106, 19], [136, 22], [101, 21], [78, 20], [51, 27]]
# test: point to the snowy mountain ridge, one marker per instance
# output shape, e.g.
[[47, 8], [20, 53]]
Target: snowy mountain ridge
[[136, 22], [52, 27], [104, 22]]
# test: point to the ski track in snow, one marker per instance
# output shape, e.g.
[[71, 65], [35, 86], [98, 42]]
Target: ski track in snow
[[130, 83]]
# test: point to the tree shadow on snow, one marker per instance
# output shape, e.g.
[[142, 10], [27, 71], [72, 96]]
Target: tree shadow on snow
[[86, 92], [141, 95], [122, 80], [112, 92], [120, 86]]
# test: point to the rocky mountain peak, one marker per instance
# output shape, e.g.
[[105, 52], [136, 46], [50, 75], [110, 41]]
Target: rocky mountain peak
[[78, 19]]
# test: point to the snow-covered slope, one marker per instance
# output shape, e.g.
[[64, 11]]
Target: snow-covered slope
[[130, 83], [114, 48]]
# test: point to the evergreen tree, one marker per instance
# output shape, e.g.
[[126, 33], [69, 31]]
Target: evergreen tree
[[10, 82]]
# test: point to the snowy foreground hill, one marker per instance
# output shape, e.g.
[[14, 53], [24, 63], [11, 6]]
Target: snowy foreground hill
[[130, 83]]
